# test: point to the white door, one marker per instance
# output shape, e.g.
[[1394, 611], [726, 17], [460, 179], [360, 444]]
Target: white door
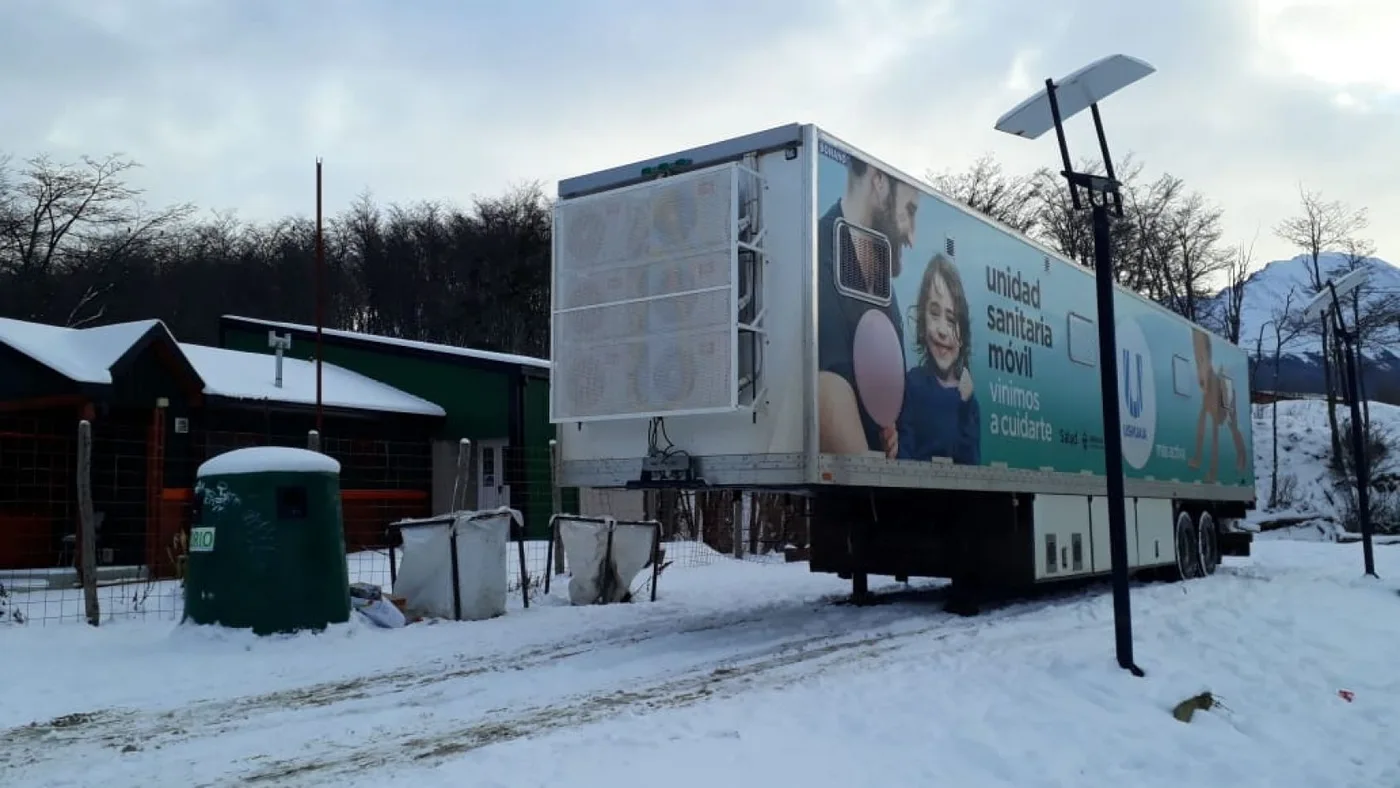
[[493, 492]]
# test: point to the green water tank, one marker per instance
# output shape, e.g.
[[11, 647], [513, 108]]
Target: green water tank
[[267, 548]]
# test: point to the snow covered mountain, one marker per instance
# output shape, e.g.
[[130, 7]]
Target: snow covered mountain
[[1300, 363]]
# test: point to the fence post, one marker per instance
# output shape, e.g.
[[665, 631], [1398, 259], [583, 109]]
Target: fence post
[[459, 482], [556, 494], [757, 519], [738, 509], [313, 440], [87, 534]]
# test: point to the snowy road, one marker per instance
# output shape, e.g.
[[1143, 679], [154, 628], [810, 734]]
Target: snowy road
[[447, 708], [423, 714], [731, 666]]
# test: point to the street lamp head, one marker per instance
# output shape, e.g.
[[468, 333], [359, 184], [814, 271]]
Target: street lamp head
[[1339, 288], [1075, 93]]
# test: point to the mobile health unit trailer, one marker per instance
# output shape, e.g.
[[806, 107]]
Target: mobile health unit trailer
[[781, 311]]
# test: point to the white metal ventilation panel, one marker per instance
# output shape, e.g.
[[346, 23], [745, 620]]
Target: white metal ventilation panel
[[644, 299]]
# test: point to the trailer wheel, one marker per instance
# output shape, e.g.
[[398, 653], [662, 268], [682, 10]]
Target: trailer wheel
[[1188, 564], [1207, 544]]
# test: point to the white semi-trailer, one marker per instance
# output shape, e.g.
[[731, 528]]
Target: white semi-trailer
[[783, 312]]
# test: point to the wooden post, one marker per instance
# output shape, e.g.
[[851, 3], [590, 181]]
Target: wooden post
[[459, 483], [557, 503], [757, 518], [738, 509], [87, 534]]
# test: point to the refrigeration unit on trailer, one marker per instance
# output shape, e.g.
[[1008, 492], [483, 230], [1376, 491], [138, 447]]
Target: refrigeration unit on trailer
[[783, 312]]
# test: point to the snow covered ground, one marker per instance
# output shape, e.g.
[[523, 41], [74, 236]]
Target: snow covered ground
[[743, 674], [1304, 480]]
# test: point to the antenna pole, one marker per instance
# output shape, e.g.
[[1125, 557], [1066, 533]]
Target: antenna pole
[[320, 293]]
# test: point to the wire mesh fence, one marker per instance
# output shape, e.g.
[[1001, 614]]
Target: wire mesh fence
[[140, 479]]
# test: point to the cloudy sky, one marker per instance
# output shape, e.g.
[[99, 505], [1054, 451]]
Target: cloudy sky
[[228, 102]]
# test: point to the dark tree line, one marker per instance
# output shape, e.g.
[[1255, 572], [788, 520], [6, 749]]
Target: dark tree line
[[78, 246]]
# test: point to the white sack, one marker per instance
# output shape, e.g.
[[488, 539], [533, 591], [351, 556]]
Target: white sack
[[482, 542], [586, 553], [424, 578], [425, 572]]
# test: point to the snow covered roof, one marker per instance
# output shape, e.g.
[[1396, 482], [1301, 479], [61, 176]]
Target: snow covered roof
[[83, 355], [431, 347], [235, 374], [262, 459], [86, 355]]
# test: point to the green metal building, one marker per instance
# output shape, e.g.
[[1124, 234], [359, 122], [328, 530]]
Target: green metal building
[[500, 402]]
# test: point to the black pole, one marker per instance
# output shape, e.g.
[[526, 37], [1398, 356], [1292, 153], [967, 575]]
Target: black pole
[[320, 297], [655, 560], [1106, 189], [1112, 435], [456, 575], [1358, 445], [524, 572], [1060, 135], [1107, 160]]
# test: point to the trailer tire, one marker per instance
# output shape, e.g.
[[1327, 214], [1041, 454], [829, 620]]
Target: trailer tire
[[1188, 564], [1207, 544]]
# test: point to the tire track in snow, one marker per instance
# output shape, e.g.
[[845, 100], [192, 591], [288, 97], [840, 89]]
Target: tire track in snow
[[778, 666], [130, 730], [760, 646], [677, 691]]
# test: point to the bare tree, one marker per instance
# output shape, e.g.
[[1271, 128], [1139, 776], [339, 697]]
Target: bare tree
[[1321, 226], [1057, 224], [1196, 257], [986, 187], [1142, 256], [55, 217], [1371, 315], [1232, 306], [1167, 246], [10, 214], [1286, 326]]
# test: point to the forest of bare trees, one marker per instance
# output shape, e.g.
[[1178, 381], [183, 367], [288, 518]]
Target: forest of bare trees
[[78, 246]]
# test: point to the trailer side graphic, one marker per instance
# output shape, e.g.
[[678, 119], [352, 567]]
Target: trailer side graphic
[[982, 349]]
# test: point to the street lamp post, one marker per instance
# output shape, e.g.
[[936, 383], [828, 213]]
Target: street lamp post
[[1328, 300], [1044, 110]]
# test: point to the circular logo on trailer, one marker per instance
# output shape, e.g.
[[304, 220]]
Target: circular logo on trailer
[[1137, 394]]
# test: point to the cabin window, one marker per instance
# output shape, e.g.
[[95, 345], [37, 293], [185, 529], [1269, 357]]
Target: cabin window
[[1183, 379], [292, 503], [854, 244], [1083, 341]]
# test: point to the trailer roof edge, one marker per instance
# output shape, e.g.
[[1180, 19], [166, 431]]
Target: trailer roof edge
[[714, 153]]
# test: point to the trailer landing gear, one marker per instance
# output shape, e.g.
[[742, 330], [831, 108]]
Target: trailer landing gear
[[964, 599], [860, 589]]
